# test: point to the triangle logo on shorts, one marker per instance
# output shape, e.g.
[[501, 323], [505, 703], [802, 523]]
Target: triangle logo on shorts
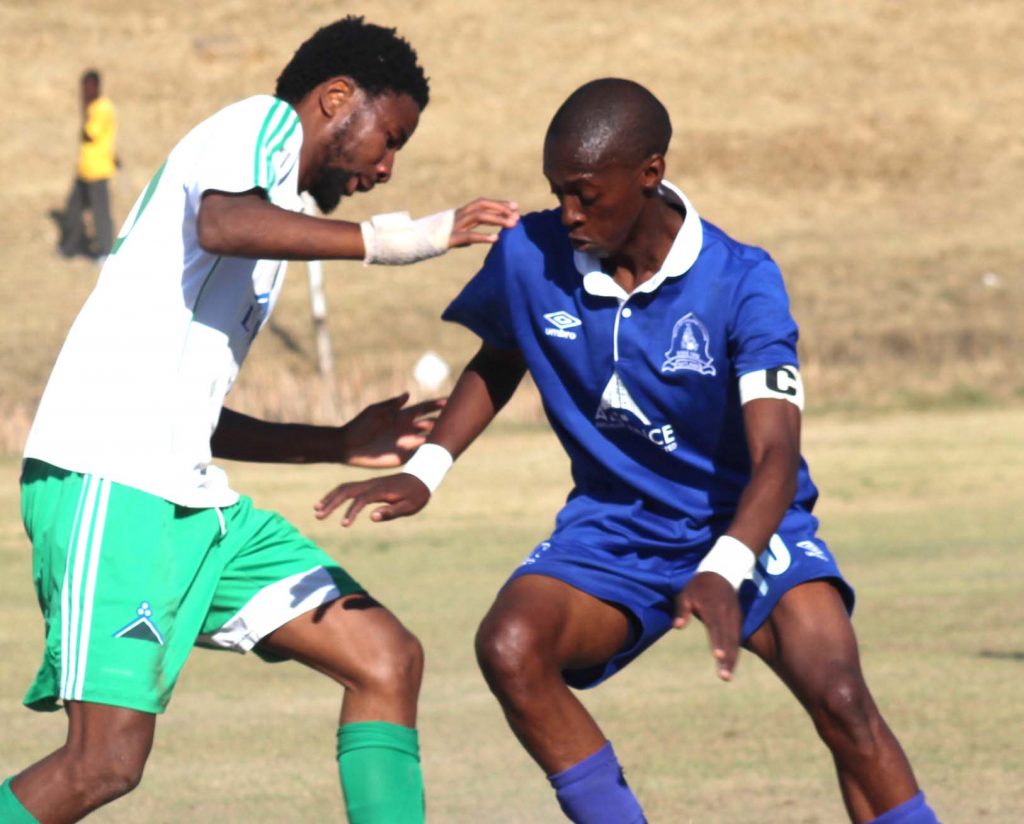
[[142, 628]]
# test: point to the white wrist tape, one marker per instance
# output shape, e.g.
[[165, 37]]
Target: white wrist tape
[[395, 238], [430, 463], [730, 558]]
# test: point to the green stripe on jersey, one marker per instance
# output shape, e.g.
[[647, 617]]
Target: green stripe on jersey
[[140, 207], [280, 118], [275, 107], [271, 177]]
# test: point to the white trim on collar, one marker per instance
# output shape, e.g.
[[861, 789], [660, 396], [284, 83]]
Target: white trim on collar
[[680, 258]]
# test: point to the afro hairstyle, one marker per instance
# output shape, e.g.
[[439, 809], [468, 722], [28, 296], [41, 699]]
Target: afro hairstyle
[[376, 58]]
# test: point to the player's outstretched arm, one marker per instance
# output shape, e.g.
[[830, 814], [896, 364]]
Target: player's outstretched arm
[[383, 435], [484, 387], [247, 225], [773, 438]]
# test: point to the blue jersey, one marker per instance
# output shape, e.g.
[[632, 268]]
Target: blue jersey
[[641, 388]]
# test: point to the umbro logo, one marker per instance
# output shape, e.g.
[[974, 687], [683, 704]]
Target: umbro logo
[[561, 322]]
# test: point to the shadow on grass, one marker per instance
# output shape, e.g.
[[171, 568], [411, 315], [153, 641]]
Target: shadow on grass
[[1002, 654]]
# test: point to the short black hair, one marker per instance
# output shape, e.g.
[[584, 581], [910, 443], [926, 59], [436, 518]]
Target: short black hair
[[611, 119], [376, 58], [91, 74]]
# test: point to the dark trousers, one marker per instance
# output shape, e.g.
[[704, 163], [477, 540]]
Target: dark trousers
[[93, 195]]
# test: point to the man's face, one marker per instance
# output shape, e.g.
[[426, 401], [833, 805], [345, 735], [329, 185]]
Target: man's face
[[90, 90], [600, 202], [361, 147]]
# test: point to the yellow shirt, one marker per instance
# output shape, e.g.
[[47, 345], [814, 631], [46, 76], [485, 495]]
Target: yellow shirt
[[96, 155]]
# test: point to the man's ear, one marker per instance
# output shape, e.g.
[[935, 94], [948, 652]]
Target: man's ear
[[336, 95], [652, 171]]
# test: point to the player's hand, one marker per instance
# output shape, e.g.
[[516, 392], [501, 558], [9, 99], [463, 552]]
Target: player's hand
[[712, 599], [385, 434], [482, 212], [403, 494]]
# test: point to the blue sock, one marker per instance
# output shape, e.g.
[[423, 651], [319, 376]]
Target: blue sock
[[595, 791], [914, 811], [11, 811]]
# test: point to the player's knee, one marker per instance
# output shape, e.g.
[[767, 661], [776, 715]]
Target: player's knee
[[395, 667], [844, 712], [99, 777], [508, 653]]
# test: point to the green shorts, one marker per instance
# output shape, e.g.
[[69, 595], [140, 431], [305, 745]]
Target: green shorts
[[128, 583]]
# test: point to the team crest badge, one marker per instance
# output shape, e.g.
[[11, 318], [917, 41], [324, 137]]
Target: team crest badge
[[690, 347], [142, 628]]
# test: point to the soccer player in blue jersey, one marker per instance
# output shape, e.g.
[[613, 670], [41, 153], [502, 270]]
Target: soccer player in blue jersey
[[665, 355]]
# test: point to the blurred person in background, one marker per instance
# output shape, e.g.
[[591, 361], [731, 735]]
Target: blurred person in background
[[97, 164]]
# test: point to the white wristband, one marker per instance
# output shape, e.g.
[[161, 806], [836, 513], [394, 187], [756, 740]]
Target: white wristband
[[396, 239], [430, 463], [730, 558]]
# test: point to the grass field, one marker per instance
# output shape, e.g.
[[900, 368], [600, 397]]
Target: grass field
[[923, 510], [874, 148]]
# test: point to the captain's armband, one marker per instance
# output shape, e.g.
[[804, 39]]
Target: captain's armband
[[780, 382]]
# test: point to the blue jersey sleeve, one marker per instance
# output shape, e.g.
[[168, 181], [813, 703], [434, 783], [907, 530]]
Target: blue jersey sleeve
[[483, 305], [762, 332]]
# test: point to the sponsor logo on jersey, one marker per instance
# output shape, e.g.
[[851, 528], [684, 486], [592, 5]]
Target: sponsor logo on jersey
[[690, 347], [142, 628], [618, 410], [561, 322]]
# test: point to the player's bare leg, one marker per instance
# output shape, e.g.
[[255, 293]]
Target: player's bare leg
[[809, 642], [365, 648], [102, 759], [537, 628]]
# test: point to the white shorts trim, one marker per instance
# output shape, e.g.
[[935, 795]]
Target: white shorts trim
[[272, 607]]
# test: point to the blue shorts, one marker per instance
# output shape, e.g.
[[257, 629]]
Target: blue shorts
[[645, 584]]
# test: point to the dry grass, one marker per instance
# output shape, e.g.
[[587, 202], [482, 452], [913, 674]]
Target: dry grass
[[922, 510], [874, 148]]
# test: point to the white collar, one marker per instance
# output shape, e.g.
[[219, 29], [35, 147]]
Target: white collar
[[681, 256]]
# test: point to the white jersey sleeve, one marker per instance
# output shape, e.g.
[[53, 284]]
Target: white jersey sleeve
[[140, 382], [259, 160]]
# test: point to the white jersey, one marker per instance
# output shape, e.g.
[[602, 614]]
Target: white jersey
[[140, 382]]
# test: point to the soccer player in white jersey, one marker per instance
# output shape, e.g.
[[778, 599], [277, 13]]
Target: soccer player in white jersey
[[141, 549], [665, 355]]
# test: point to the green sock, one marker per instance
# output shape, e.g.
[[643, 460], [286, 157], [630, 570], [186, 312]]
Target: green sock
[[11, 811], [380, 773]]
